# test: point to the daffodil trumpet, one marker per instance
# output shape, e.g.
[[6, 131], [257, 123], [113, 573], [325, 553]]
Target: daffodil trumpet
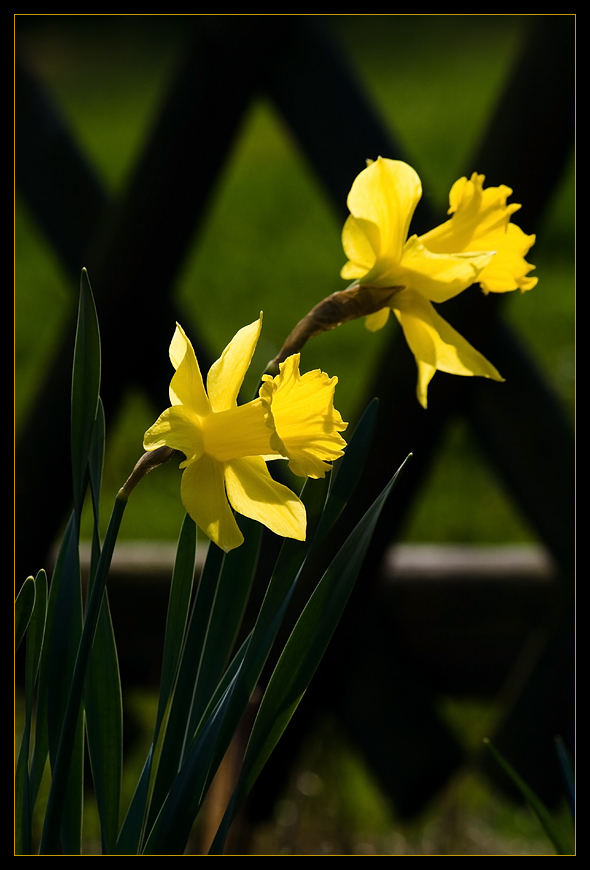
[[226, 445]]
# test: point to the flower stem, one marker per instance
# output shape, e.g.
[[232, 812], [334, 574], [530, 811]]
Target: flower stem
[[356, 301]]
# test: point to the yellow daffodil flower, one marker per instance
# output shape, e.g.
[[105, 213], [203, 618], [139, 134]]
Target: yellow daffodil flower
[[226, 445], [477, 244]]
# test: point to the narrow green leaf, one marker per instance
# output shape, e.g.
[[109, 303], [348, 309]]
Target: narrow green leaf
[[36, 633], [67, 615], [348, 469], [287, 572], [176, 726], [64, 819], [23, 608], [35, 637], [63, 637], [104, 724], [96, 459], [102, 691], [216, 620], [41, 748], [302, 654], [178, 609], [569, 779], [23, 796], [562, 847], [130, 837], [63, 640], [95, 467], [71, 823], [85, 388], [174, 822], [57, 794], [280, 591], [228, 680], [233, 590], [23, 835]]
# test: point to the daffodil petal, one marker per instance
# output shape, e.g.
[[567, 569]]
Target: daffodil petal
[[386, 194], [178, 346], [435, 344], [226, 376], [361, 241], [186, 386], [439, 277], [253, 493], [177, 428], [203, 495], [426, 373]]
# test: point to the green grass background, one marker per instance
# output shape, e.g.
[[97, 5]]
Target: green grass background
[[271, 241]]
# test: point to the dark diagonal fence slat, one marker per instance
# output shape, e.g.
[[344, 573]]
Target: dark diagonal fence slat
[[530, 136], [319, 98], [55, 181]]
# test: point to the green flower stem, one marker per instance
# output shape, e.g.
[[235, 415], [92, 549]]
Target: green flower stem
[[57, 794]]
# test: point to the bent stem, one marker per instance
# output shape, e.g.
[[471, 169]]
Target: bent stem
[[358, 300]]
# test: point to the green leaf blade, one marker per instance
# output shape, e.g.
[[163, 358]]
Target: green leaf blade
[[104, 725], [560, 844], [178, 608], [348, 469], [85, 387], [23, 610]]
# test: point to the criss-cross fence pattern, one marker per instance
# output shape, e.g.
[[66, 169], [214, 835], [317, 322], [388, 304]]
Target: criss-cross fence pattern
[[140, 241]]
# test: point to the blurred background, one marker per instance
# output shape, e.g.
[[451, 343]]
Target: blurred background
[[269, 239]]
